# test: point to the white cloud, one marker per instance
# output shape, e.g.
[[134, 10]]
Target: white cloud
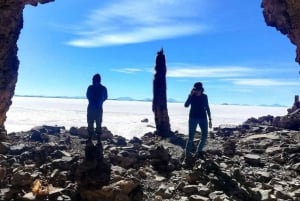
[[127, 21], [264, 82], [127, 70], [209, 71]]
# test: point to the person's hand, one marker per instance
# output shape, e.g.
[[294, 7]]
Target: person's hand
[[192, 92], [210, 124]]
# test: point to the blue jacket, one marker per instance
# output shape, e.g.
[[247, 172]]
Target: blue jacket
[[199, 106]]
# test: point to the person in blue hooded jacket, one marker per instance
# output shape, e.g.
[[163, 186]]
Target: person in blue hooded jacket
[[96, 95], [199, 115]]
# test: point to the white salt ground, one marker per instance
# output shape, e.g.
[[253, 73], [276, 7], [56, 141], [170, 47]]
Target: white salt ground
[[120, 117]]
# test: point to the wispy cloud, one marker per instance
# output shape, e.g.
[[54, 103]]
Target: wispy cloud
[[263, 82], [127, 70], [127, 21], [209, 71]]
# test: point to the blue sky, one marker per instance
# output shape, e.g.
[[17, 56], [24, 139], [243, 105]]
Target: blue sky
[[224, 44]]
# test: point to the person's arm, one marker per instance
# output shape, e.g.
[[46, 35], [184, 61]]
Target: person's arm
[[104, 94], [188, 101], [208, 112], [88, 92]]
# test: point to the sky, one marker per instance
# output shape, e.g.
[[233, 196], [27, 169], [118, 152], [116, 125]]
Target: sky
[[226, 45]]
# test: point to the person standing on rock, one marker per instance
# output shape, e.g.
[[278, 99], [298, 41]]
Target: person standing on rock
[[96, 95], [199, 111]]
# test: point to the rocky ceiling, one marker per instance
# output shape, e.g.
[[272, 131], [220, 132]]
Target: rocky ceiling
[[282, 14]]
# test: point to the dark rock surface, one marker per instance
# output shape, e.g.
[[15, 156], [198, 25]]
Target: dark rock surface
[[253, 161]]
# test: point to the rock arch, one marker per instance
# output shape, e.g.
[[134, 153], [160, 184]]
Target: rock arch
[[282, 14]]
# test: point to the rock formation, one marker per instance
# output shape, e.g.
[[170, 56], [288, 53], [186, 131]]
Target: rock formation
[[159, 103], [284, 15], [11, 23], [292, 119], [295, 106]]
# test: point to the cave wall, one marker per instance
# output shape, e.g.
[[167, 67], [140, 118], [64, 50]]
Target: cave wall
[[284, 15], [11, 23]]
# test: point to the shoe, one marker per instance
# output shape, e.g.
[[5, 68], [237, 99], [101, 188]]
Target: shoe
[[199, 155], [188, 162], [89, 142]]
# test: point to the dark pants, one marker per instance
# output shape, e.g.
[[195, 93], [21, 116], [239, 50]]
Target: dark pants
[[94, 115], [192, 129]]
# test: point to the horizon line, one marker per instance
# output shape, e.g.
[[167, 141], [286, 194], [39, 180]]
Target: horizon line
[[170, 100]]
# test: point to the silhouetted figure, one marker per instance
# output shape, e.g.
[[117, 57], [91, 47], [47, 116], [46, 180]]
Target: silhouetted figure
[[198, 116], [96, 95], [159, 103]]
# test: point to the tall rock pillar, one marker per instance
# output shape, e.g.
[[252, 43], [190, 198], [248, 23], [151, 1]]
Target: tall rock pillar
[[159, 103], [11, 23]]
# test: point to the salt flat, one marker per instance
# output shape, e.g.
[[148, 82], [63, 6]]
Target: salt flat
[[120, 117]]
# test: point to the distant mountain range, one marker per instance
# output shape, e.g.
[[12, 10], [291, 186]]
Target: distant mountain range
[[170, 100], [127, 98], [263, 105]]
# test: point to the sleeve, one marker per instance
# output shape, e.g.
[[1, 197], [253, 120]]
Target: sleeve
[[207, 107], [188, 101], [88, 92], [104, 94]]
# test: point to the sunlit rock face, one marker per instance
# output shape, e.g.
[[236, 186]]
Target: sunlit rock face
[[11, 23], [284, 15]]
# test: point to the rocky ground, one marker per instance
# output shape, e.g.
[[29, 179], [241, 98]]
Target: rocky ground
[[253, 161]]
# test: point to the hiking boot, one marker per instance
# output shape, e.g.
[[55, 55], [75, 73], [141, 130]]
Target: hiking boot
[[188, 162], [199, 155], [89, 142]]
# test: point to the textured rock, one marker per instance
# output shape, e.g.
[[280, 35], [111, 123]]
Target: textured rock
[[79, 172], [284, 15], [295, 106], [159, 104], [11, 23], [4, 147], [289, 121]]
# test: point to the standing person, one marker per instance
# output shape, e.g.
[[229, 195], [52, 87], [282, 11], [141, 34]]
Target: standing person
[[198, 115], [96, 95]]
